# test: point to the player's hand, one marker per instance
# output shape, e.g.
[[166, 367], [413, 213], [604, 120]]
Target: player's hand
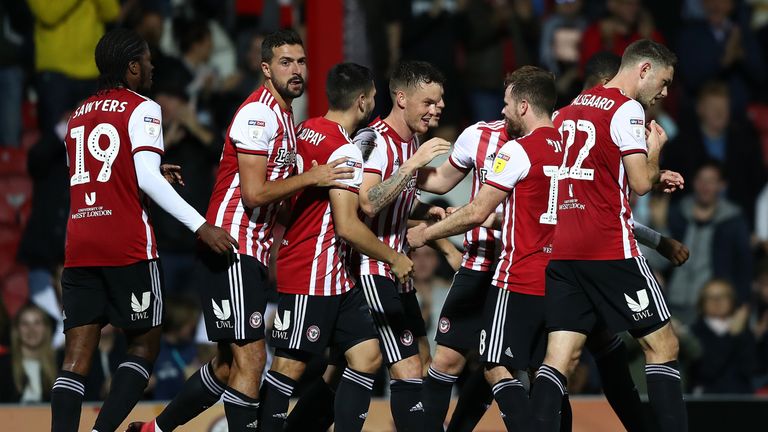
[[670, 181], [416, 236], [671, 249], [430, 150], [436, 213], [655, 136], [172, 173], [328, 174], [402, 268], [450, 210], [217, 239]]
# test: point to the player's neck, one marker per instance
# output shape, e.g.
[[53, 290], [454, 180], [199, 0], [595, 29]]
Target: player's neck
[[624, 82], [396, 120], [346, 120], [535, 123], [284, 103]]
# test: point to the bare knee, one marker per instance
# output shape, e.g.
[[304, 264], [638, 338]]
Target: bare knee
[[248, 358], [291, 368], [564, 350], [496, 373], [448, 360], [145, 344], [365, 357], [407, 368], [660, 346]]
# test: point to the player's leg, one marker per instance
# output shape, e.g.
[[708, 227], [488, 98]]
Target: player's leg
[[399, 350], [456, 335], [136, 306], [287, 367], [356, 336], [570, 317], [662, 373], [610, 354], [474, 400], [314, 411], [511, 396], [84, 299]]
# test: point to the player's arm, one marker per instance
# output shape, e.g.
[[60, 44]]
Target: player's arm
[[147, 146], [671, 249], [252, 132], [449, 251], [639, 147], [470, 216], [258, 191], [376, 194], [344, 206], [441, 179]]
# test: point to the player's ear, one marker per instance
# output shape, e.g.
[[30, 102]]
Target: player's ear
[[645, 68], [400, 98], [265, 70]]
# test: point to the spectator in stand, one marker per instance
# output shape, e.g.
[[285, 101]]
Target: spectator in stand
[[626, 22], [761, 222], [484, 36], [66, 33], [724, 48], [760, 329], [15, 19], [560, 47], [718, 237], [716, 135], [177, 359], [727, 359], [195, 149], [32, 360]]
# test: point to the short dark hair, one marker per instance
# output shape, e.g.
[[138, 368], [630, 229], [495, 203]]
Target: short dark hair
[[710, 163], [278, 39], [344, 84], [535, 85], [114, 51], [646, 49], [600, 66], [412, 73]]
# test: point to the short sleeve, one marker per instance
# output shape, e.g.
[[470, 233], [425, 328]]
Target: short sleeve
[[253, 128], [355, 161], [628, 128], [463, 157], [510, 166], [145, 128], [373, 150]]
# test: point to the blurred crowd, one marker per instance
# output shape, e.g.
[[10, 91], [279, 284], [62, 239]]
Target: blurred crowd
[[206, 55]]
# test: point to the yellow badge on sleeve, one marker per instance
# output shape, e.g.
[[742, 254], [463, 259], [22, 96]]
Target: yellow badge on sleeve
[[500, 162]]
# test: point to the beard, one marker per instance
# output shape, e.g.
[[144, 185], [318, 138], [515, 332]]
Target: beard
[[284, 89], [514, 128]]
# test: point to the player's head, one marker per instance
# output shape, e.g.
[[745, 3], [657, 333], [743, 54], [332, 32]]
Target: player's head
[[653, 66], [600, 68], [123, 59], [529, 93], [416, 88], [350, 86], [284, 63]]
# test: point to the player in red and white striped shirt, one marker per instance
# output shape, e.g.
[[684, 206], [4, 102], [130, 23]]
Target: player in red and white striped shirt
[[388, 199], [513, 334], [460, 318], [112, 272], [254, 177], [597, 274], [319, 305]]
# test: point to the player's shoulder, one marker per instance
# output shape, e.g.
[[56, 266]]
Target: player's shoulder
[[260, 103], [494, 126], [322, 133]]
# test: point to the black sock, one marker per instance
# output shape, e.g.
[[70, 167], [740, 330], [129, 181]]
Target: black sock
[[619, 389], [406, 406], [566, 415], [437, 397], [200, 391], [276, 393], [666, 396], [474, 400], [353, 399], [313, 412], [547, 399], [513, 404], [127, 388], [66, 401], [242, 411]]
